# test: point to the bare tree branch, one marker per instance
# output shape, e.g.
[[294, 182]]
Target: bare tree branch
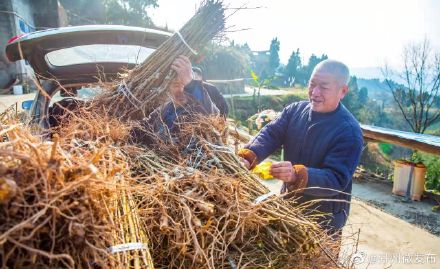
[[418, 98], [435, 85]]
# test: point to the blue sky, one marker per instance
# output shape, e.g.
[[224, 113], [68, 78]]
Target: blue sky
[[362, 33]]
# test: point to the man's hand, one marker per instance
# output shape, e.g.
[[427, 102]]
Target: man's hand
[[283, 171], [183, 68]]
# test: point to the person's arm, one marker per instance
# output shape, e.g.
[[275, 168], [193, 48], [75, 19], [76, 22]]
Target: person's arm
[[269, 139], [336, 171]]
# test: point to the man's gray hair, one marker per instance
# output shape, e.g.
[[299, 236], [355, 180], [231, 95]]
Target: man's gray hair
[[337, 68]]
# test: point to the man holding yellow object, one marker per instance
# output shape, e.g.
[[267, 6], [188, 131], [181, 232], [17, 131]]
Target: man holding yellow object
[[322, 144]]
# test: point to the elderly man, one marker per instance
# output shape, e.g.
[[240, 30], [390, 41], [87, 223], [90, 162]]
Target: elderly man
[[322, 145], [187, 93], [188, 99]]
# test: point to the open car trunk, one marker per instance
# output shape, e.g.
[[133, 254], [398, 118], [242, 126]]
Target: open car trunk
[[69, 58], [85, 54]]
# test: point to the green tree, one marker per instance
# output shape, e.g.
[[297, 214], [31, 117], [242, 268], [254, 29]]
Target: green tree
[[125, 12], [372, 113], [363, 95], [129, 12], [351, 101], [308, 69], [293, 67], [274, 58], [261, 83]]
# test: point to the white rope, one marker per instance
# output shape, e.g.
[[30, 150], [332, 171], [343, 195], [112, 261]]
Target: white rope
[[123, 88], [186, 44], [232, 263]]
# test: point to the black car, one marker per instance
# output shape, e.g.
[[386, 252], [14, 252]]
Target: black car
[[69, 62]]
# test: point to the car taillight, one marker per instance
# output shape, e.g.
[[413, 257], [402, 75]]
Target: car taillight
[[12, 39]]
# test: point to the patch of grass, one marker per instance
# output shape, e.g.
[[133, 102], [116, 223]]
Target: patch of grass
[[386, 149]]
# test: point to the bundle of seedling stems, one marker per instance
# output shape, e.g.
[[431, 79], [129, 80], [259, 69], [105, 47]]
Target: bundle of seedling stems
[[145, 88], [202, 209], [93, 199], [65, 202]]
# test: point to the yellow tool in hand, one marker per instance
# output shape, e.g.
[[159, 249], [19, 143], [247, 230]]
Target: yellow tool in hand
[[263, 170]]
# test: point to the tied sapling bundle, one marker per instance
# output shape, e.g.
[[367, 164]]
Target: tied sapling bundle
[[146, 87], [203, 209], [66, 202]]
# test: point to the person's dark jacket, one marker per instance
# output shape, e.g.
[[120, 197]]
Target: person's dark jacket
[[58, 112], [217, 98], [327, 144], [161, 123]]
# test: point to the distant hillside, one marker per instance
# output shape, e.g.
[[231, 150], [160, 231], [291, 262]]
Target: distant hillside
[[377, 90], [373, 79]]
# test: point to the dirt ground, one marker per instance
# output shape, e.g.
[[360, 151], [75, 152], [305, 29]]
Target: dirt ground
[[388, 242], [378, 193], [384, 241]]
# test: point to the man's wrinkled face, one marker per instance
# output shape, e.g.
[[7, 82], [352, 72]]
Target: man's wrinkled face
[[325, 91], [176, 89]]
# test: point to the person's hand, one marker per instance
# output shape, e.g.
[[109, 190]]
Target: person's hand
[[283, 171], [245, 163], [182, 67]]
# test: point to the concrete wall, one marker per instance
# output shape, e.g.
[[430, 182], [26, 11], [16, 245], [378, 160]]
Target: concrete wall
[[26, 23], [20, 17], [23, 25], [7, 30]]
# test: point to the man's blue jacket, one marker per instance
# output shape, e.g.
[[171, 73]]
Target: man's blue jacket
[[328, 144], [161, 123]]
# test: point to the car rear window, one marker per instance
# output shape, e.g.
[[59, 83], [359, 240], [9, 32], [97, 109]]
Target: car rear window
[[98, 53], [84, 94]]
